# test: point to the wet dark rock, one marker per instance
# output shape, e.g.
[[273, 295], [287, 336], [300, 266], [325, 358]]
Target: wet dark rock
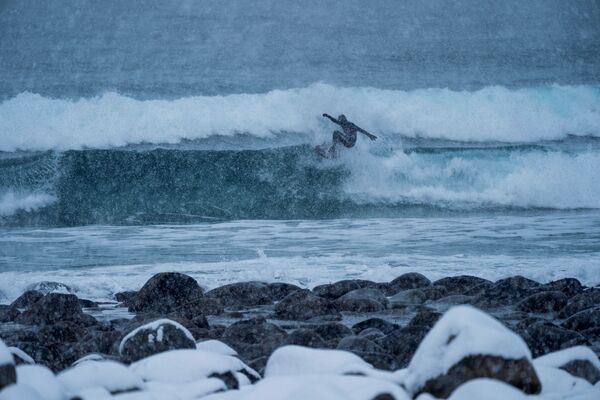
[[460, 284], [568, 286], [377, 323], [373, 334], [506, 292], [543, 337], [583, 369], [582, 301], [278, 291], [153, 338], [84, 303], [201, 307], [381, 361], [426, 318], [243, 294], [543, 302], [592, 334], [258, 364], [586, 319], [322, 319], [60, 332], [335, 290], [411, 280], [50, 287], [332, 331], [166, 292], [8, 313], [479, 289], [126, 298], [27, 299], [518, 373], [456, 299], [402, 343], [357, 344], [307, 338], [303, 305], [97, 341], [407, 298], [254, 338], [55, 307], [434, 292], [362, 300]]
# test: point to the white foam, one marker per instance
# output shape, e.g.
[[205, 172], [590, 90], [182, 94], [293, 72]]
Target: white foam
[[534, 179], [11, 202], [32, 122]]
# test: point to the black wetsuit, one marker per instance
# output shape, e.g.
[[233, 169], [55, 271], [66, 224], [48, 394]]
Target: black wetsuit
[[348, 137]]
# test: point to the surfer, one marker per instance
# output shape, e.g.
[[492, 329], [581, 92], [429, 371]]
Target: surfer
[[347, 137]]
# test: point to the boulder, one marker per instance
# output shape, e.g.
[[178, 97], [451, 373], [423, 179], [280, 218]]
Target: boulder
[[242, 295], [332, 332], [306, 338], [8, 313], [335, 290], [425, 317], [201, 307], [377, 323], [8, 374], [582, 301], [55, 307], [165, 292], [586, 319], [254, 338], [112, 376], [543, 302], [460, 284], [506, 292], [126, 298], [186, 366], [26, 299], [407, 298], [544, 337], [568, 286], [411, 280], [434, 292], [362, 300], [155, 337], [358, 345], [303, 305], [402, 343], [278, 290], [373, 334], [467, 344], [42, 380], [579, 361]]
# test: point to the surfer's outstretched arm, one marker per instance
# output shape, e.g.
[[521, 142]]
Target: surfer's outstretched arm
[[369, 135], [335, 121]]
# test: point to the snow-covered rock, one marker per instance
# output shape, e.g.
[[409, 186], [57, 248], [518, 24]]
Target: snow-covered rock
[[558, 382], [90, 357], [190, 390], [8, 374], [486, 389], [216, 346], [20, 357], [184, 366], [42, 380], [155, 337], [19, 392], [297, 360], [579, 361], [110, 375], [317, 387], [466, 344]]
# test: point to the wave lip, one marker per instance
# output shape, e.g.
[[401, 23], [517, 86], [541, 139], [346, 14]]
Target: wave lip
[[33, 122]]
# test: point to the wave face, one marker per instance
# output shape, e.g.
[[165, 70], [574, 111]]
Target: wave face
[[116, 186], [33, 122]]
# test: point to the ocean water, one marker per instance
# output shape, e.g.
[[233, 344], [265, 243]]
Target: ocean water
[[139, 137]]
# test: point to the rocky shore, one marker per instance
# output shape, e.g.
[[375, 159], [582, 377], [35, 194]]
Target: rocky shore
[[460, 337]]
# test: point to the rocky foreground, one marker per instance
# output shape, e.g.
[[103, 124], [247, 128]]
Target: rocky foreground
[[460, 337]]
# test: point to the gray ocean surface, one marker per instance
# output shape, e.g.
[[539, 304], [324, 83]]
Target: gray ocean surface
[[146, 136]]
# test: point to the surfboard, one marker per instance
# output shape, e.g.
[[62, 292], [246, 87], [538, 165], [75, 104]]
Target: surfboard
[[324, 150]]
